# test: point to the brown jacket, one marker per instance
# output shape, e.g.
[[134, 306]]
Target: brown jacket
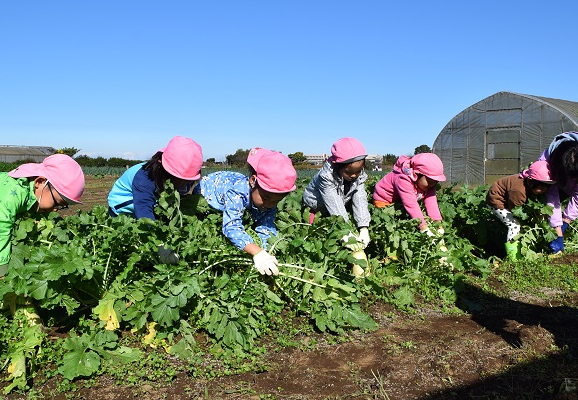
[[507, 193]]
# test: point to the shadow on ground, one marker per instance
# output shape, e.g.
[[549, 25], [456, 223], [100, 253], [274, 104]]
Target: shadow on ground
[[519, 325]]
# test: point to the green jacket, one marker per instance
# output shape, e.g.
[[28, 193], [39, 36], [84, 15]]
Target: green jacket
[[16, 196]]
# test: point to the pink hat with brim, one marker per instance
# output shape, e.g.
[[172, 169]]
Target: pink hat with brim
[[430, 165], [63, 173], [539, 171], [275, 171], [347, 150], [183, 158]]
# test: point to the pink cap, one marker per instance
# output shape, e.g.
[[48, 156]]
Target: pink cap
[[63, 173], [347, 150], [183, 158], [430, 165], [275, 171], [539, 171]]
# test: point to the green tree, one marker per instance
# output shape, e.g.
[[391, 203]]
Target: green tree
[[389, 159], [297, 157], [424, 148], [239, 159], [69, 151]]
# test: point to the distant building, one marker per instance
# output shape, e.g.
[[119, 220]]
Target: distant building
[[11, 154], [373, 159], [318, 159]]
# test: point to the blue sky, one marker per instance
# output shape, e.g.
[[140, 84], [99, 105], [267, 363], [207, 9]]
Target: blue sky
[[119, 79]]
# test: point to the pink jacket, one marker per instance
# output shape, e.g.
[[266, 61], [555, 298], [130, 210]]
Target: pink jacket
[[400, 184]]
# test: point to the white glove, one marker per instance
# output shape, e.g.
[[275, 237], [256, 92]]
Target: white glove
[[167, 255], [364, 236], [354, 245], [265, 263], [441, 231], [428, 232]]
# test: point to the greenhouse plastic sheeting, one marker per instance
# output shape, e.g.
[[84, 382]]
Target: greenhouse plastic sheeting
[[501, 135]]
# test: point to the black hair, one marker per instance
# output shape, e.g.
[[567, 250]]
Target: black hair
[[564, 162], [252, 171], [156, 171]]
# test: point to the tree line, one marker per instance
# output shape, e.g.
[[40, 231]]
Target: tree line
[[238, 159]]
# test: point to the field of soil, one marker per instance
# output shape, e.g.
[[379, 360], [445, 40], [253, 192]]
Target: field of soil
[[493, 346]]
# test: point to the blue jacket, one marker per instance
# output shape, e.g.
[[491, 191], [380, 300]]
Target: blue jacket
[[134, 193]]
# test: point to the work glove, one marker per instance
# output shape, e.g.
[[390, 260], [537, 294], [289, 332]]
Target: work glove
[[441, 230], [513, 250], [364, 236], [564, 226], [557, 245], [353, 242], [265, 263], [167, 255], [427, 232]]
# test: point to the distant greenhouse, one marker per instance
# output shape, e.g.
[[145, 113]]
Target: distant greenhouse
[[500, 135], [12, 154]]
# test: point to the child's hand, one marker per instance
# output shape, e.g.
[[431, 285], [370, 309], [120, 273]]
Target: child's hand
[[265, 263], [364, 236], [167, 255], [353, 242], [557, 245], [428, 232]]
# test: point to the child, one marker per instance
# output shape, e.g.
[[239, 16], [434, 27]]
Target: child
[[340, 184], [511, 191], [137, 191], [413, 179], [271, 178], [51, 185], [561, 156]]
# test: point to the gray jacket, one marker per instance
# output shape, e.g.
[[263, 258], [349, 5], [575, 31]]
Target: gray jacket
[[325, 193]]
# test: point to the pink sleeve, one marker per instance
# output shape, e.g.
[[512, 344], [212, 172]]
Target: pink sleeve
[[406, 191], [430, 201]]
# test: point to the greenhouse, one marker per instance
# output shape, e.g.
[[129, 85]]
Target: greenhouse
[[10, 154], [500, 135]]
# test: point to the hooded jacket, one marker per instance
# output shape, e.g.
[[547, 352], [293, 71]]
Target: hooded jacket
[[401, 185], [571, 187]]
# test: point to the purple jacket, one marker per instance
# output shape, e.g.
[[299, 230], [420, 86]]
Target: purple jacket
[[571, 187]]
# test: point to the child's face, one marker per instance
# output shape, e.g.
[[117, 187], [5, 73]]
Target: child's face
[[424, 183], [540, 188], [48, 198], [351, 171], [263, 199], [179, 183]]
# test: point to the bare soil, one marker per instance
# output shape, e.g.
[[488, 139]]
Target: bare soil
[[492, 347]]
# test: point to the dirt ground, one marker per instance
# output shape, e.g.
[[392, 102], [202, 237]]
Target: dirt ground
[[510, 347]]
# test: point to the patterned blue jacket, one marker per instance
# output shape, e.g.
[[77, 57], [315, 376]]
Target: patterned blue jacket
[[229, 192]]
